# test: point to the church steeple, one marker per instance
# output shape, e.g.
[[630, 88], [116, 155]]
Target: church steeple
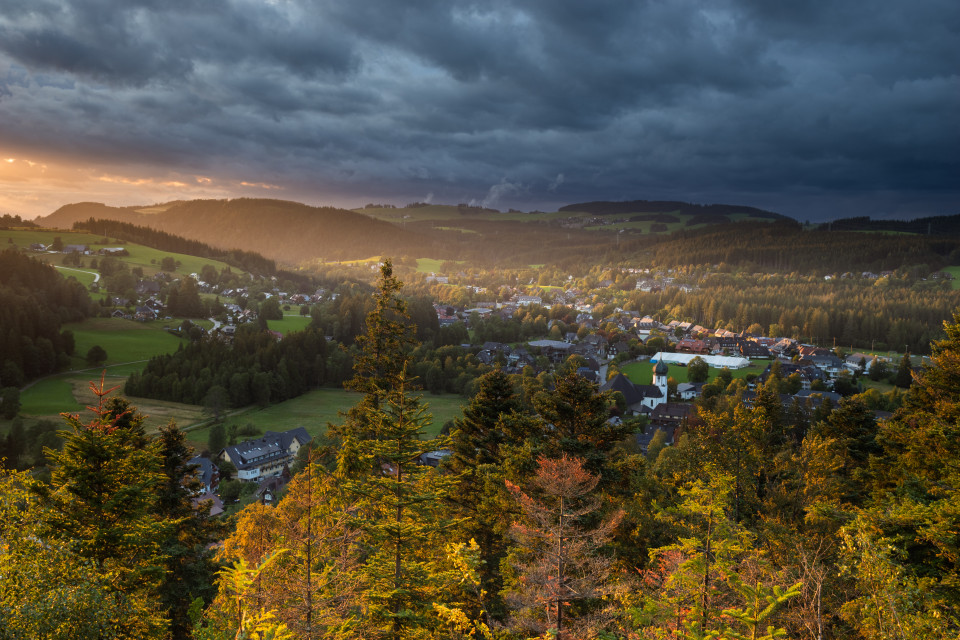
[[660, 373]]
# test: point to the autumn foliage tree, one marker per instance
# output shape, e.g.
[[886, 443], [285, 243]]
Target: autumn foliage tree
[[561, 575]]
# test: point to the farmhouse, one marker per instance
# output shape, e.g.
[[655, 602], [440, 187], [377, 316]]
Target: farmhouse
[[266, 456]]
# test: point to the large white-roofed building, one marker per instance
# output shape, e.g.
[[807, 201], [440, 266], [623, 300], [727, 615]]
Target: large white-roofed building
[[730, 362]]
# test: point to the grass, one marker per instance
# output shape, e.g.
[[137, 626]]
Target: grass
[[883, 386], [291, 322], [84, 277], [429, 265], [315, 409], [71, 393], [48, 398], [955, 272], [140, 256], [123, 340]]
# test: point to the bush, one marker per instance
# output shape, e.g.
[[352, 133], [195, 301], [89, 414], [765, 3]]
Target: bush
[[9, 402], [96, 355]]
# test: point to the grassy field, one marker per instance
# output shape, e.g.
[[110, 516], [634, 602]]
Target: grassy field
[[314, 410], [291, 322], [83, 276], [71, 393], [881, 385], [955, 272], [124, 340], [140, 256], [642, 372], [428, 265]]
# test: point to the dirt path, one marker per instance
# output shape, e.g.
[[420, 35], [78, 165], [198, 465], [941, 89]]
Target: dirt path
[[96, 276], [72, 371]]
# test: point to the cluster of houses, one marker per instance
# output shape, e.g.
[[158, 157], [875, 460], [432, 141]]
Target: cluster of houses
[[82, 249]]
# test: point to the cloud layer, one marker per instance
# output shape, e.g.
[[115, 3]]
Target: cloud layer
[[811, 109]]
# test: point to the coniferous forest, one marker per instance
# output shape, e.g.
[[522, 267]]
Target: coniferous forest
[[34, 303], [544, 521]]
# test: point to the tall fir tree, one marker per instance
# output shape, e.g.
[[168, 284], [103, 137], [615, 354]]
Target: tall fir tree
[[103, 504], [902, 549], [492, 430], [401, 506], [190, 567]]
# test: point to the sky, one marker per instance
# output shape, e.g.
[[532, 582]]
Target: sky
[[817, 109]]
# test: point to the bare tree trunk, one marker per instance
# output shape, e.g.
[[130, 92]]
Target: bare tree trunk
[[705, 596]]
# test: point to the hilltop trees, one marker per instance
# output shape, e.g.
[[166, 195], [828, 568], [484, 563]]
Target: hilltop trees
[[902, 547], [400, 508], [112, 547], [34, 303]]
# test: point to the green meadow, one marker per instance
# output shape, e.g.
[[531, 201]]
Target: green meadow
[[71, 393], [429, 265], [314, 410], [291, 322], [955, 272], [140, 256], [124, 340]]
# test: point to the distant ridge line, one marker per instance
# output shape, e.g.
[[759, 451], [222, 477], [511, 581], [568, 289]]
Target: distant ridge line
[[608, 208]]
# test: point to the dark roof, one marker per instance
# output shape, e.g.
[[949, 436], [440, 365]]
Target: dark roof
[[272, 446], [661, 369], [673, 411], [827, 395], [204, 469], [643, 439], [621, 383]]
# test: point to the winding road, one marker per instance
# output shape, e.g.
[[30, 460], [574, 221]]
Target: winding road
[[96, 276]]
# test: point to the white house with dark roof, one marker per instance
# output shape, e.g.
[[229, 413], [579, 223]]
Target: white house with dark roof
[[266, 456]]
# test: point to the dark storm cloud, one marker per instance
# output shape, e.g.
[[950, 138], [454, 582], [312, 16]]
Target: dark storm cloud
[[789, 106]]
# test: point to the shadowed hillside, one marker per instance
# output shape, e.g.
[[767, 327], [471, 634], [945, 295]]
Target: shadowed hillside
[[288, 232], [709, 211]]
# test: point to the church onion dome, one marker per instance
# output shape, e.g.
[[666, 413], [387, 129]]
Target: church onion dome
[[661, 369]]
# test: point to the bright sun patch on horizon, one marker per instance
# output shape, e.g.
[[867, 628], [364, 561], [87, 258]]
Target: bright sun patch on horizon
[[37, 187]]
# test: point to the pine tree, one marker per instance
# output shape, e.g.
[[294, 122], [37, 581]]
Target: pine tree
[[400, 507], [383, 354], [902, 548], [578, 416], [904, 372], [46, 589], [481, 442], [103, 504], [187, 547]]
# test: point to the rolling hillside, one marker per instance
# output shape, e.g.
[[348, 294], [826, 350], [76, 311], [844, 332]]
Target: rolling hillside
[[288, 232]]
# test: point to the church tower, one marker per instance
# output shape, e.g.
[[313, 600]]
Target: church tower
[[660, 373]]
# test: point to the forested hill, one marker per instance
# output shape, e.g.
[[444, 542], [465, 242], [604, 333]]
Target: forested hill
[[288, 232], [933, 225], [34, 301], [603, 208], [68, 214], [785, 247]]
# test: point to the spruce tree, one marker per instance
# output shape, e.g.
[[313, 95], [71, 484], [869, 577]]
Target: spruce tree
[[904, 372], [401, 502], [187, 545], [103, 505], [561, 579], [492, 426]]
